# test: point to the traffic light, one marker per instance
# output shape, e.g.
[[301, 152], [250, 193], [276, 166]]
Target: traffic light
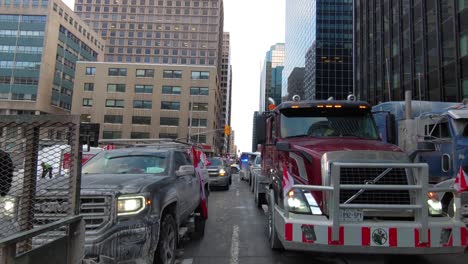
[[227, 130]]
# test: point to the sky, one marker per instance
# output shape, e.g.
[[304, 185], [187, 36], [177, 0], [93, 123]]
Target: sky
[[254, 26]]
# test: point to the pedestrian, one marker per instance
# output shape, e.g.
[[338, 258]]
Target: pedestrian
[[46, 168], [6, 173]]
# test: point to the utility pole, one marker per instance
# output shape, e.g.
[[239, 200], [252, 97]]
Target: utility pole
[[388, 80]]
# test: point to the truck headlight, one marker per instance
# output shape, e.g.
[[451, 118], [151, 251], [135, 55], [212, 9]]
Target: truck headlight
[[7, 206], [222, 172], [435, 206], [297, 203], [130, 205]]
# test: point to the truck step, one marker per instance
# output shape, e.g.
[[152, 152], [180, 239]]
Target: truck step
[[183, 231]]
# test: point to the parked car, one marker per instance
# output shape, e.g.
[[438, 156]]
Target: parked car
[[140, 195], [246, 159], [220, 173]]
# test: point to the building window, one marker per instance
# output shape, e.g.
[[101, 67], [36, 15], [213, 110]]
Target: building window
[[87, 102], [144, 73], [85, 118], [199, 107], [142, 104], [90, 70], [200, 75], [113, 87], [199, 138], [111, 134], [143, 88], [171, 89], [170, 105], [198, 122], [114, 103], [113, 119], [138, 135], [172, 74], [141, 120], [117, 72], [167, 135], [169, 121], [198, 90]]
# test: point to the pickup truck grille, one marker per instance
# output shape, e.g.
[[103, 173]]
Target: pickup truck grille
[[396, 176], [213, 173], [94, 209]]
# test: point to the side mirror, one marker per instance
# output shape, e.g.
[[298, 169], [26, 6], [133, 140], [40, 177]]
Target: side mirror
[[283, 146], [185, 170], [390, 128], [260, 129]]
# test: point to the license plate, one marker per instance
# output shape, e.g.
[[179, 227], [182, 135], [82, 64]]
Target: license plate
[[351, 215]]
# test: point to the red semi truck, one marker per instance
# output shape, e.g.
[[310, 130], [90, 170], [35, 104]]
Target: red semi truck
[[333, 186]]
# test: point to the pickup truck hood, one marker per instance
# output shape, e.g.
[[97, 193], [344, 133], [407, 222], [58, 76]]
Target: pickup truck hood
[[123, 183], [319, 146]]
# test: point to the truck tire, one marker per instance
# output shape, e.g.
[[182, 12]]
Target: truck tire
[[275, 243], [166, 250], [252, 183], [199, 223]]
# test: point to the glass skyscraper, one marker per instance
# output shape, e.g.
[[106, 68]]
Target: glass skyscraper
[[418, 45], [271, 78], [319, 37]]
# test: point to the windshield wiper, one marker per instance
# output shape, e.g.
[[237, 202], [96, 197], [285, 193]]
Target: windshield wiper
[[296, 136]]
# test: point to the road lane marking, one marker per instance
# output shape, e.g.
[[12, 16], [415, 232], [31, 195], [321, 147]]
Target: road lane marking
[[235, 245], [237, 192]]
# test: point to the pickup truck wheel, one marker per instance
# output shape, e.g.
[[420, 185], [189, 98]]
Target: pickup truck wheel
[[165, 253], [275, 243], [199, 230]]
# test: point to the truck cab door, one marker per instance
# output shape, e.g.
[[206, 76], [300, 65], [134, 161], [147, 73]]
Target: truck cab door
[[440, 159]]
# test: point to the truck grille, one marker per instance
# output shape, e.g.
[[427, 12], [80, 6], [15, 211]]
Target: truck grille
[[94, 209], [396, 176], [213, 173]]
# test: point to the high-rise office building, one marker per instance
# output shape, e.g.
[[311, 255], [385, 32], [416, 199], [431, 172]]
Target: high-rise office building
[[416, 45], [176, 32], [319, 37], [157, 31], [226, 87], [271, 76], [296, 83], [40, 43]]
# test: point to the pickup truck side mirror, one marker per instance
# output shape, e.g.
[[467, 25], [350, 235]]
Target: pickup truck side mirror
[[185, 170]]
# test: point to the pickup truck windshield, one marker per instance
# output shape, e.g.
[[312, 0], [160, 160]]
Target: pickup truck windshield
[[215, 161], [327, 123], [106, 163]]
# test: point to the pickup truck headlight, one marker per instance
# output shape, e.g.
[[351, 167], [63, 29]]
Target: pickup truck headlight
[[7, 206], [222, 172], [435, 206], [130, 205]]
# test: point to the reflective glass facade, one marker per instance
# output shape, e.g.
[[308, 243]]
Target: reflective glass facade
[[320, 39], [272, 75], [411, 45], [21, 42], [300, 33]]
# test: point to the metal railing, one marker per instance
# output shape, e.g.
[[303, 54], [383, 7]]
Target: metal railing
[[420, 188], [40, 172]]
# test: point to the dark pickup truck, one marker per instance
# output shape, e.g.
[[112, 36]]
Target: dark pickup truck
[[136, 200]]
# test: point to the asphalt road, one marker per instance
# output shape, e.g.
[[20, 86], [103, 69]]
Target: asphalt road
[[236, 234]]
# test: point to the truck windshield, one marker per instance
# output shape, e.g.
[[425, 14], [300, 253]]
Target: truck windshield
[[461, 127], [327, 123], [107, 163]]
